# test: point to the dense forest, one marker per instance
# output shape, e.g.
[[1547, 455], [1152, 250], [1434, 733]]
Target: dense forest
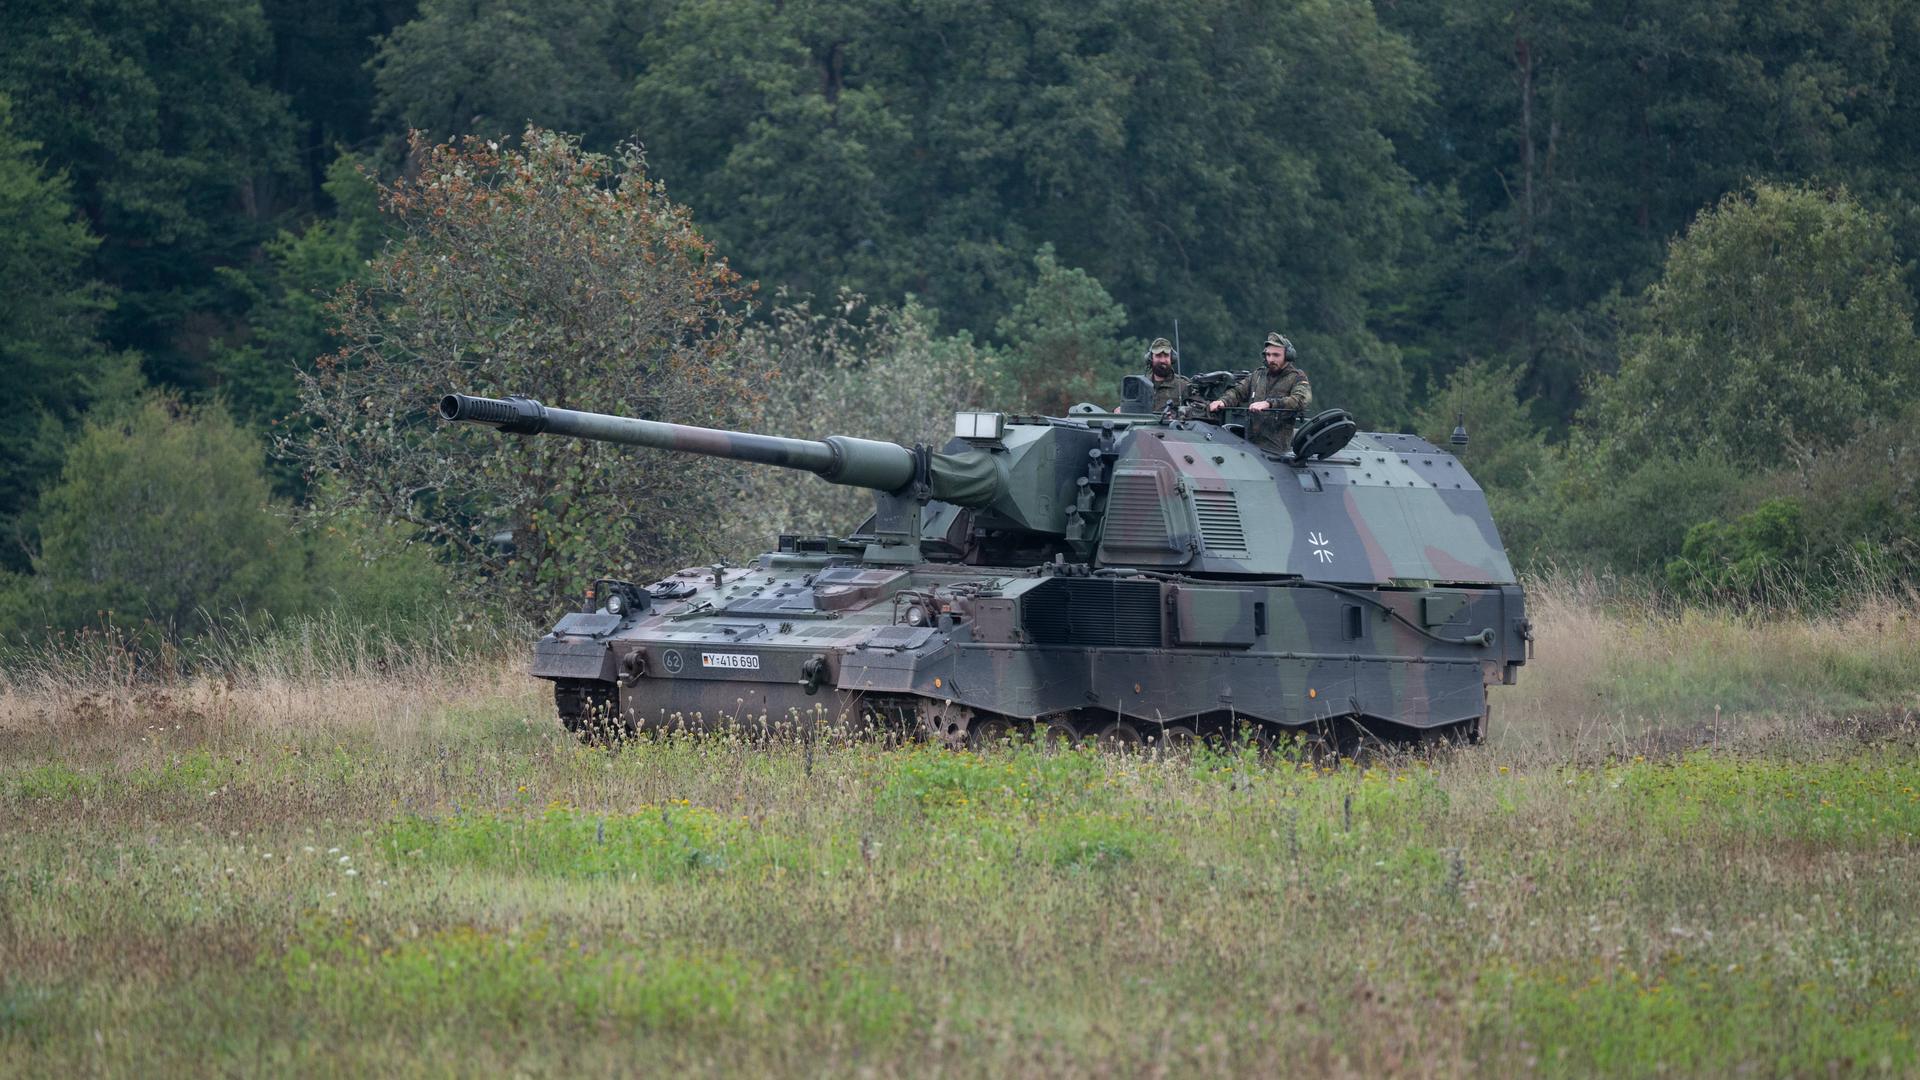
[[1659, 255]]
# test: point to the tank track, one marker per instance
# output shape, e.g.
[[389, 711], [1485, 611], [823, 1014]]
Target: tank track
[[1345, 736], [589, 709]]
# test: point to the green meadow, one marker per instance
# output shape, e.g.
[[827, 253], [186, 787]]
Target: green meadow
[[1653, 866]]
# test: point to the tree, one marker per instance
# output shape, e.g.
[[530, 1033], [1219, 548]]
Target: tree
[[1063, 341], [1578, 135], [1782, 320], [1228, 165], [491, 67], [322, 53], [162, 518], [1506, 450], [849, 368], [178, 152], [50, 312], [546, 271], [289, 290]]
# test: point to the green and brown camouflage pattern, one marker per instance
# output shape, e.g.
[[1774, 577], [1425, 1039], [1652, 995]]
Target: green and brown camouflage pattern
[[1125, 574]]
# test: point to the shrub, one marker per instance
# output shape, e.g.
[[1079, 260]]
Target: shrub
[[1781, 320], [1064, 342], [849, 369], [546, 271], [161, 517], [1742, 557]]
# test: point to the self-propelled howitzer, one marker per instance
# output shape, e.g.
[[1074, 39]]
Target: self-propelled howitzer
[[1124, 576]]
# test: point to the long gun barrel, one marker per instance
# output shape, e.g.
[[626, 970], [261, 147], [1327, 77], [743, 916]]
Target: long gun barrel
[[865, 463]]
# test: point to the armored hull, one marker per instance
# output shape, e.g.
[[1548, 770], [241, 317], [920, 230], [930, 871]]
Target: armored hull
[[1112, 575]]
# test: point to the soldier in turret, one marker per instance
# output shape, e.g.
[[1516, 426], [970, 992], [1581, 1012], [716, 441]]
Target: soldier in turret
[[1169, 388], [1276, 395]]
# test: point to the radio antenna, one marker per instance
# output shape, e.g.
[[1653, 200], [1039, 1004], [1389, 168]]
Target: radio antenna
[[1179, 362]]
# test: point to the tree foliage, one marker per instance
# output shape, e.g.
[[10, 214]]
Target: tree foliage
[[1782, 320], [1449, 207], [1578, 135], [1506, 450], [162, 518], [289, 294], [50, 311], [321, 54], [490, 68], [1224, 164], [1064, 342], [848, 368], [178, 150], [545, 271]]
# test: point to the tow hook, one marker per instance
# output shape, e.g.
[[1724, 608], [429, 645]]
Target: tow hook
[[812, 672], [633, 668]]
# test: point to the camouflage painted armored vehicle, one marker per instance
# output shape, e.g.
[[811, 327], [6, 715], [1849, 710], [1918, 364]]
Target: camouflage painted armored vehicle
[[1122, 575]]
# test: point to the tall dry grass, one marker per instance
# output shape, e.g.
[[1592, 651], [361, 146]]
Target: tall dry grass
[[1619, 669], [1622, 668], [311, 676]]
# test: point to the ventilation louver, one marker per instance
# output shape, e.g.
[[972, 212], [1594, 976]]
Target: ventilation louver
[[1092, 612], [1139, 526], [1136, 511], [1220, 526]]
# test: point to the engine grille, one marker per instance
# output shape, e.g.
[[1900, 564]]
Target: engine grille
[[1092, 612], [1220, 526]]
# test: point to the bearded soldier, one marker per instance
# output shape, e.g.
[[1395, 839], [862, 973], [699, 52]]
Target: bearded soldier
[[1168, 388], [1276, 395]]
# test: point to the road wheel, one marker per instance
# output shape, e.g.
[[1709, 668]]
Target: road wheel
[[989, 732], [1254, 734], [1178, 739], [1055, 733], [1119, 736]]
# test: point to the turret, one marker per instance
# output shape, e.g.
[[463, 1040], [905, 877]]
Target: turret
[[1117, 490]]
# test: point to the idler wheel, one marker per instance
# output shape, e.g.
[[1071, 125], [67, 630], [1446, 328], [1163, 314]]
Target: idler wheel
[[946, 723]]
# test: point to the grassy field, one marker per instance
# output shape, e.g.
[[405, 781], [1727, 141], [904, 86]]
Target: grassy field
[[1690, 847]]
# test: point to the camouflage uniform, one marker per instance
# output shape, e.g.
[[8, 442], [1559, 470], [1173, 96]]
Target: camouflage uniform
[[1287, 395], [1171, 390]]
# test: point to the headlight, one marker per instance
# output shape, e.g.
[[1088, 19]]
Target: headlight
[[916, 616], [616, 602]]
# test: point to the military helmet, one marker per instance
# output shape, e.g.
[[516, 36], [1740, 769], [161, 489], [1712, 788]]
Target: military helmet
[[1160, 345], [1281, 340]]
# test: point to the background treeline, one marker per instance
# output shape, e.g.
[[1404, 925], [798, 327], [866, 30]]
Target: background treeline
[[1660, 254]]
